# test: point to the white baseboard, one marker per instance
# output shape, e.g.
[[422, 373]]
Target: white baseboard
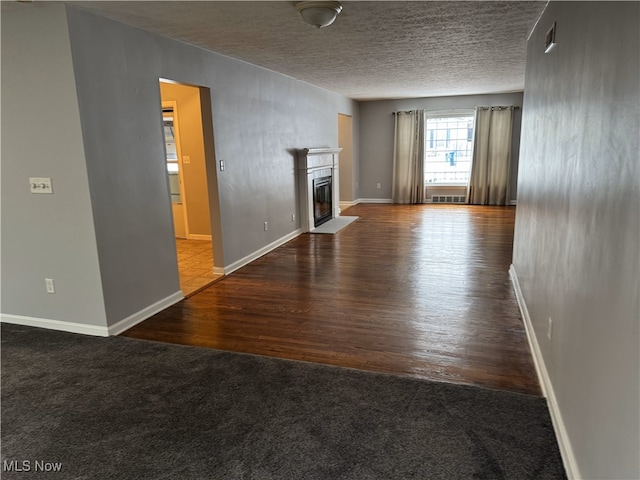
[[513, 202], [51, 324], [145, 313], [197, 236], [94, 330], [258, 253], [566, 450], [374, 200], [218, 270]]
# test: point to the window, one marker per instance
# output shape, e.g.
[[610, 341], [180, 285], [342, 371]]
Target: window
[[448, 148], [173, 167], [170, 142]]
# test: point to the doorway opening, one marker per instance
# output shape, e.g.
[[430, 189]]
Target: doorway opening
[[186, 163], [348, 183]]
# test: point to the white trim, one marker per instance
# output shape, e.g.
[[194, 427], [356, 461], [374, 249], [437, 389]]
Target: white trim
[[145, 313], [218, 270], [513, 202], [197, 236], [258, 253], [566, 450], [541, 370], [51, 324], [310, 162], [94, 330], [375, 200]]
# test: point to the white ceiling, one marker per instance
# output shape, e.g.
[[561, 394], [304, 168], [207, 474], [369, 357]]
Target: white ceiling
[[374, 50]]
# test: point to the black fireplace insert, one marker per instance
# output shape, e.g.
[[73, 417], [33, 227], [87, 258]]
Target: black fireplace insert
[[322, 204]]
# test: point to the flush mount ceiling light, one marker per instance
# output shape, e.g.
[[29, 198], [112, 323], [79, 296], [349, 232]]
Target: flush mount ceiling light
[[319, 14]]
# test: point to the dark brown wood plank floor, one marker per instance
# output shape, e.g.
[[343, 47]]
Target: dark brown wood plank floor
[[420, 290]]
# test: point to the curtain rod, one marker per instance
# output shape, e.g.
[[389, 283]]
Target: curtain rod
[[516, 107], [498, 107]]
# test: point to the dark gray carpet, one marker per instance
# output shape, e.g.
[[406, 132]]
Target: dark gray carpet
[[108, 408]]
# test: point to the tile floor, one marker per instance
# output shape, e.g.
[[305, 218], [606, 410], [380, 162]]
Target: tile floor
[[195, 263]]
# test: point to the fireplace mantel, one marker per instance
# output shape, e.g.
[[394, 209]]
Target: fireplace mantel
[[311, 160]]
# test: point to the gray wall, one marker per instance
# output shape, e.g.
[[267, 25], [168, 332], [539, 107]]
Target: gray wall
[[577, 233], [377, 127], [259, 117], [45, 236]]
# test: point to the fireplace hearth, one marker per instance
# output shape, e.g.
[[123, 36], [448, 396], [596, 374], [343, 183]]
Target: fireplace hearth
[[317, 182]]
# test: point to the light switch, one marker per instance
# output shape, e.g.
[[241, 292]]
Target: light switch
[[40, 185]]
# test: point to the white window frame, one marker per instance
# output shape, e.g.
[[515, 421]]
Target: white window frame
[[434, 114]]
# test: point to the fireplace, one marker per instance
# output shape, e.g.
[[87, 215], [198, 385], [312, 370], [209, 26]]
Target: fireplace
[[322, 201], [317, 186]]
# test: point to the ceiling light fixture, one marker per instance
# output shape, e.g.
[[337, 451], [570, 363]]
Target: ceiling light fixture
[[319, 14]]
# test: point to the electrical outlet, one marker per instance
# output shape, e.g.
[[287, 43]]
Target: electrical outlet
[[293, 217], [377, 185], [550, 328], [266, 226], [186, 159], [51, 288], [222, 165]]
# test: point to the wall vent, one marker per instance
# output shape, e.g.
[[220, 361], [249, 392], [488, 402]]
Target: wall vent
[[448, 199]]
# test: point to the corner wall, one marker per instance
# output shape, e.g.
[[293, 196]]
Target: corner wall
[[43, 235], [576, 255]]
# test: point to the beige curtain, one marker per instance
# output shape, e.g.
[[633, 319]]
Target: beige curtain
[[489, 182], [408, 158]]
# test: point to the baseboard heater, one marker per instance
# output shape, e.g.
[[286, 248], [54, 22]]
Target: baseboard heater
[[448, 199]]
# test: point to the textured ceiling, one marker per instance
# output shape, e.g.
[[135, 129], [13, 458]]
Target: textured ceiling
[[374, 49]]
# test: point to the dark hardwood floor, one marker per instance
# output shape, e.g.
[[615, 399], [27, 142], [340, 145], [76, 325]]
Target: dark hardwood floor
[[420, 290]]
